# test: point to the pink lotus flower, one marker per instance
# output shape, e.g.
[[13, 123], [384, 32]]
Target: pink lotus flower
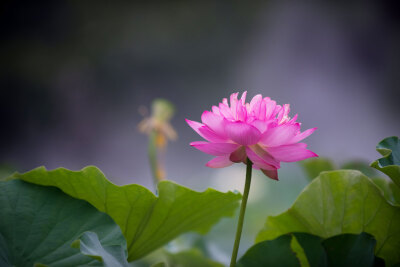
[[260, 130]]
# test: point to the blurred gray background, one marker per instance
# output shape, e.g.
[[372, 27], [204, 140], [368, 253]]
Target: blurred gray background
[[74, 74]]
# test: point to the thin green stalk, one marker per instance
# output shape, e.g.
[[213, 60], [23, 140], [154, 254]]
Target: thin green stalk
[[242, 212]]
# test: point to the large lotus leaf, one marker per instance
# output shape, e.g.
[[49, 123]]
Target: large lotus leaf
[[6, 171], [341, 250], [111, 256], [390, 163], [350, 250], [272, 253], [314, 166], [192, 258], [339, 202], [390, 190], [309, 250], [147, 221], [38, 225], [4, 260]]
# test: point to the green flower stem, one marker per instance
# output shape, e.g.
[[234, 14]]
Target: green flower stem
[[242, 212]]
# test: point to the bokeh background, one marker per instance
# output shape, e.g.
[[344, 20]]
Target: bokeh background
[[73, 75]]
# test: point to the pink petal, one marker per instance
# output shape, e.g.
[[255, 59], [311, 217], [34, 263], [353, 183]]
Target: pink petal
[[211, 136], [291, 153], [293, 120], [205, 132], [283, 114], [215, 110], [195, 126], [273, 174], [262, 126], [301, 136], [263, 110], [261, 158], [239, 155], [242, 133], [225, 111], [271, 109], [219, 162], [259, 164], [234, 101], [214, 122], [280, 135], [215, 149], [243, 98], [241, 112], [256, 167], [276, 111], [255, 104]]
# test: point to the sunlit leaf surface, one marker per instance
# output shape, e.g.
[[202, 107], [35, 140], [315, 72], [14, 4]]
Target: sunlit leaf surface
[[147, 221], [192, 258], [339, 202]]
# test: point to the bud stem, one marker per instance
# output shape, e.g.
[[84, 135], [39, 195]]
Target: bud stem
[[155, 165]]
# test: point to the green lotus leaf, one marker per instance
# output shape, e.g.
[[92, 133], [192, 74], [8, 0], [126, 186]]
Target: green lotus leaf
[[192, 258], [111, 256], [389, 164], [38, 225], [390, 190], [314, 166], [272, 253], [147, 221], [309, 249], [350, 250], [338, 202], [346, 250], [5, 171]]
